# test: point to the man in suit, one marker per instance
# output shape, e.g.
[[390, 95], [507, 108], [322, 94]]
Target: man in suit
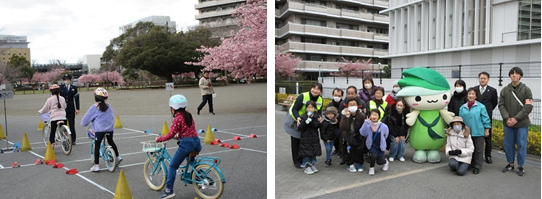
[[487, 95], [69, 92]]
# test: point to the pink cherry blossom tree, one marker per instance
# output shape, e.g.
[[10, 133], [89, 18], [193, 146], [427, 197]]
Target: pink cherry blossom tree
[[285, 64], [353, 69], [244, 54], [53, 76], [89, 79], [108, 77]]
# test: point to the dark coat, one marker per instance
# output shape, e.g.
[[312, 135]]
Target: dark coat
[[329, 130], [396, 122], [71, 96], [457, 100], [490, 98], [352, 138], [310, 141]]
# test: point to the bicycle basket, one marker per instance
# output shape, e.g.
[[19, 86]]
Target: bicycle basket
[[90, 133], [151, 146], [44, 117]]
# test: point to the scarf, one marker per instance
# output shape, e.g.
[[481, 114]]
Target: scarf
[[470, 104], [430, 131]]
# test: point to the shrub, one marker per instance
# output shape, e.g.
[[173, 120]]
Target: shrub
[[533, 138]]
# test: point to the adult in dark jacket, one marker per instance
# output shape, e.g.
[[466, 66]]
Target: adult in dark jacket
[[395, 119], [459, 97], [350, 93], [309, 145], [353, 144], [329, 130], [487, 95], [367, 93], [293, 118], [69, 92]]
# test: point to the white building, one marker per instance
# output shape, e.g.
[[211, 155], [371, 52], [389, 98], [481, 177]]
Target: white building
[[92, 62], [215, 15], [156, 20], [476, 34]]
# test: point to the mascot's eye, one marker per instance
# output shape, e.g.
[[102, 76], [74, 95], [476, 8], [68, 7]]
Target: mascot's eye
[[418, 98], [444, 97]]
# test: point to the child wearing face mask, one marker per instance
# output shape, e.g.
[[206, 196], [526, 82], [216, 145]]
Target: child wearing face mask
[[458, 98], [328, 131], [337, 103], [309, 146], [375, 133], [396, 120], [352, 144], [459, 146]]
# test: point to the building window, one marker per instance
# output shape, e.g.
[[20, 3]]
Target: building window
[[313, 40], [313, 22], [529, 19], [347, 26]]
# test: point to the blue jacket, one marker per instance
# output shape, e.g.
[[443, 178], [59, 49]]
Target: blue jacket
[[101, 121], [476, 118]]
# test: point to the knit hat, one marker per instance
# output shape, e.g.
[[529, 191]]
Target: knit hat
[[422, 81], [331, 109]]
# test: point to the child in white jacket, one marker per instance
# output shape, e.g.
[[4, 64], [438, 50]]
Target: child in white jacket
[[459, 146]]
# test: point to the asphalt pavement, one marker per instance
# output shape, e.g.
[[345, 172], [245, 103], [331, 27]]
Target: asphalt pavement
[[403, 179]]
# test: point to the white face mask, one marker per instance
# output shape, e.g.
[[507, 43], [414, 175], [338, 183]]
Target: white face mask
[[67, 82], [368, 86], [336, 99], [458, 128], [400, 108], [459, 89], [396, 89], [352, 109], [309, 113]]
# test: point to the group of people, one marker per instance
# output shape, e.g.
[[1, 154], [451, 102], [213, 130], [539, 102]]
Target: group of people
[[364, 123], [61, 109]]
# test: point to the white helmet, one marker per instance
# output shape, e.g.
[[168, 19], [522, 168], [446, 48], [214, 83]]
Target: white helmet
[[178, 101]]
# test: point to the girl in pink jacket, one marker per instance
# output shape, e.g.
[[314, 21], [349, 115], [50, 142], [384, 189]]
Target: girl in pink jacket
[[55, 106]]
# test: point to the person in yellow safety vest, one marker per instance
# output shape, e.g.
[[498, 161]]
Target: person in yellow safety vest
[[293, 118], [378, 103]]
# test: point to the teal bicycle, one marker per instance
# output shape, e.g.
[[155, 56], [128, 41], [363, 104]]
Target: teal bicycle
[[106, 152], [203, 173]]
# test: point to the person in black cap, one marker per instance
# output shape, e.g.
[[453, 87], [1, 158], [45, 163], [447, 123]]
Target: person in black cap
[[69, 92]]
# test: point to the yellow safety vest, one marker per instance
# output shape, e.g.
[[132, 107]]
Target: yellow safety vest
[[372, 105], [306, 98]]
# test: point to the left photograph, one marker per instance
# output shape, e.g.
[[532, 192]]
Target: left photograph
[[133, 100]]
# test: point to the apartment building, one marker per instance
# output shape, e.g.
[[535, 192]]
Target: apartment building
[[480, 33], [216, 16], [322, 32], [13, 45], [156, 20]]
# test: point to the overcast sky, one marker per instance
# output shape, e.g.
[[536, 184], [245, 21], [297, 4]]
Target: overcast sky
[[68, 30]]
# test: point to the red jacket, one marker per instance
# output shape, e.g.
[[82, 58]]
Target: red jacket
[[179, 129]]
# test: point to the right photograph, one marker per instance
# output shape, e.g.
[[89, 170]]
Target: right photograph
[[407, 99]]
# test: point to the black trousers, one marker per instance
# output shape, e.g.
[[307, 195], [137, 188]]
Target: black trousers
[[52, 133], [477, 159], [352, 156], [204, 100], [99, 137], [489, 145], [295, 150], [71, 121]]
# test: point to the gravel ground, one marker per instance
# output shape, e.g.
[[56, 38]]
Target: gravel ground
[[231, 99]]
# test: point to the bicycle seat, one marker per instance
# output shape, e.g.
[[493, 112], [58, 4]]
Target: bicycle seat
[[193, 154], [60, 122]]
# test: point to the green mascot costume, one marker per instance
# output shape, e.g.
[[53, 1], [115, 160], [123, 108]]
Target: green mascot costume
[[427, 93]]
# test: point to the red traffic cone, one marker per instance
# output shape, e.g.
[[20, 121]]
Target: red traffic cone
[[214, 142], [252, 136], [15, 164], [38, 161], [235, 146], [236, 138], [58, 165], [71, 171], [218, 140], [50, 162], [225, 145]]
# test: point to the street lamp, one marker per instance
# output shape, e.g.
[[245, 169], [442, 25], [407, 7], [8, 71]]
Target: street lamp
[[379, 68], [320, 71]]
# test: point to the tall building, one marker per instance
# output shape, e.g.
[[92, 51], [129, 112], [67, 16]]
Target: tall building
[[156, 20], [457, 32], [13, 45], [215, 15], [92, 62], [322, 32]]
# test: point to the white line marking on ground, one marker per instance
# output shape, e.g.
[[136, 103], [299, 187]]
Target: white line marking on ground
[[253, 150], [248, 127], [232, 133], [1, 167]]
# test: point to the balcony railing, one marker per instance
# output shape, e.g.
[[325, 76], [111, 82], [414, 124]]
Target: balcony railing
[[216, 3], [291, 5], [215, 14], [328, 49], [329, 32]]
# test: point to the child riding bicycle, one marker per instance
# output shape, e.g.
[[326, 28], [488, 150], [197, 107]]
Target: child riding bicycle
[[101, 116], [56, 107], [183, 128]]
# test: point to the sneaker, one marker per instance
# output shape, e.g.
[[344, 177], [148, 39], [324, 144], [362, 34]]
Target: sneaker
[[309, 171], [360, 168], [372, 171], [95, 168], [314, 169], [392, 159], [385, 167], [507, 168], [351, 168], [119, 159], [73, 143], [327, 163], [402, 159], [521, 171], [211, 113], [167, 194]]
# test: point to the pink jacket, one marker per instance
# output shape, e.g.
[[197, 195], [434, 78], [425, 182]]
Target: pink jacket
[[51, 107]]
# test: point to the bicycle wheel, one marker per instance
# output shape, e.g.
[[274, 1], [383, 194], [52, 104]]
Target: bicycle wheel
[[156, 181], [110, 158], [65, 139], [207, 181], [45, 134]]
